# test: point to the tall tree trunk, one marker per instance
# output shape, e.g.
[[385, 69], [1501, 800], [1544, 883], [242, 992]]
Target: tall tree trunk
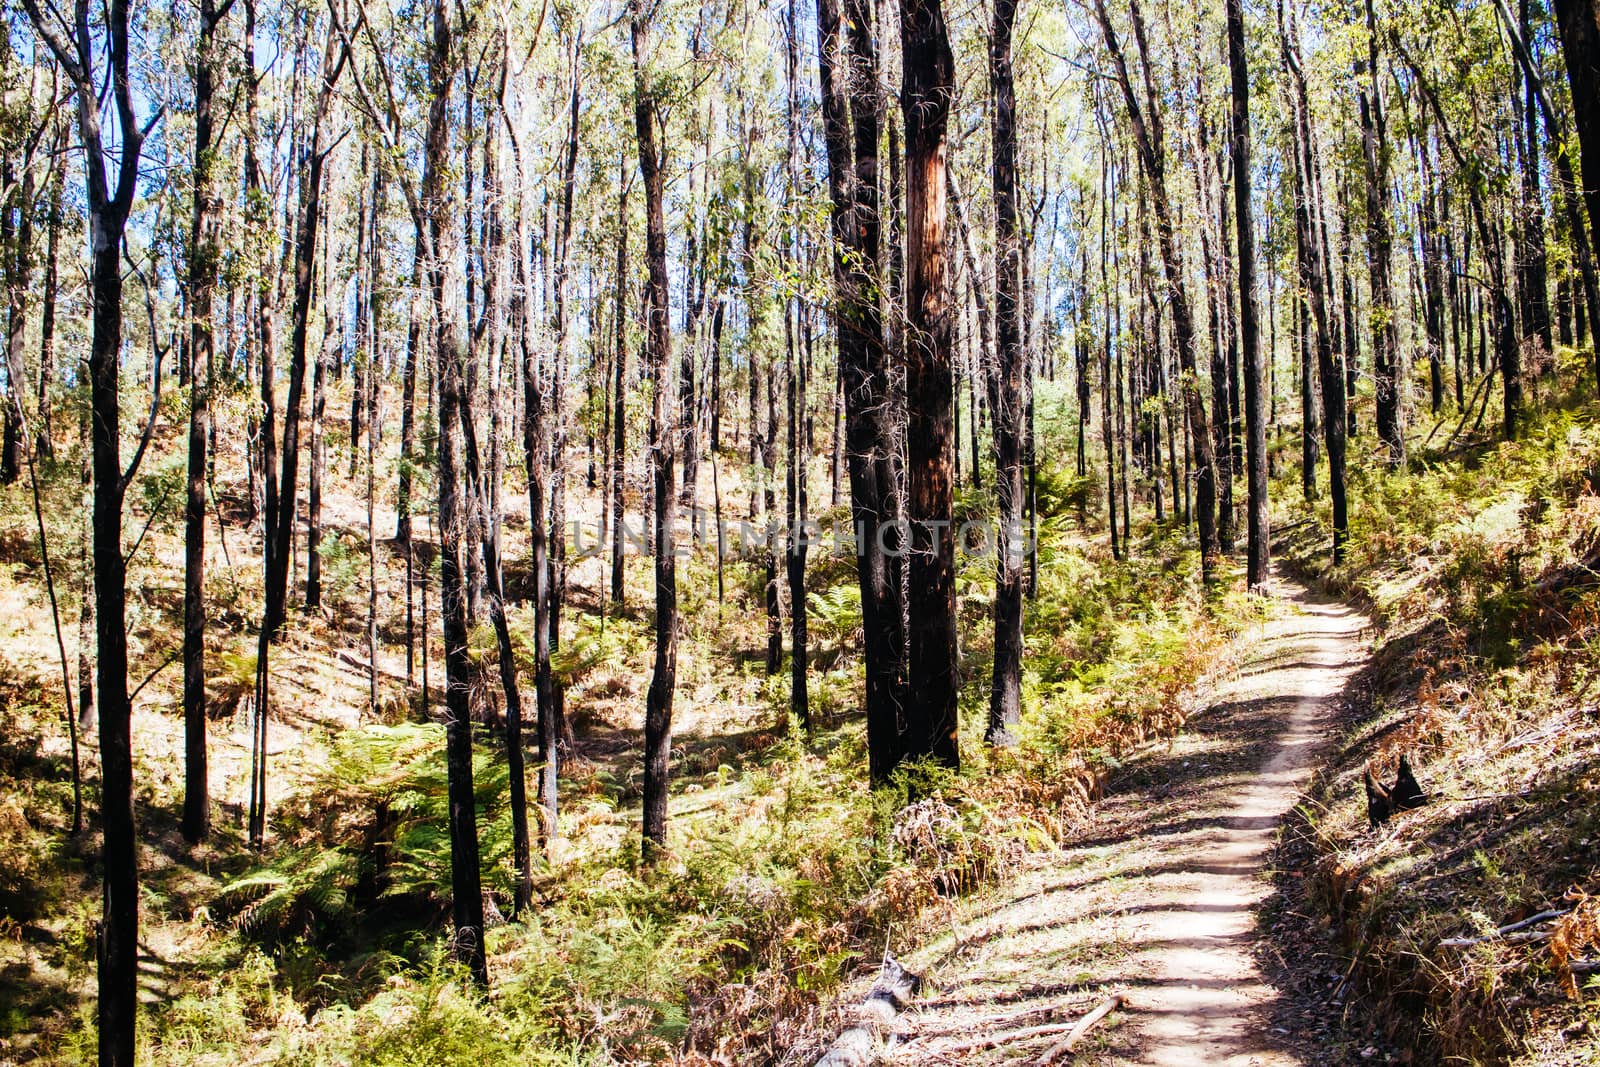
[[1347, 289], [534, 442], [117, 939], [319, 457], [619, 429], [416, 337], [1258, 552], [371, 329], [280, 516], [1432, 280], [1532, 275], [44, 441], [1579, 22], [1311, 246], [1150, 140], [658, 348], [1387, 372], [203, 262], [795, 478], [848, 78], [17, 241], [449, 334], [563, 358], [488, 545], [769, 502], [931, 659], [1222, 447], [1005, 695]]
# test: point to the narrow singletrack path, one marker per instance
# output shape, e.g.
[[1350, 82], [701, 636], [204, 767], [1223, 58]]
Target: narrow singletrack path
[[1157, 900]]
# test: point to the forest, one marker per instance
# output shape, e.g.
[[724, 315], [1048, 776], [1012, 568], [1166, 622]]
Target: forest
[[799, 532]]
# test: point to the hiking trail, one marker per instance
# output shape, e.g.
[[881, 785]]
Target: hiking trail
[[1157, 897]]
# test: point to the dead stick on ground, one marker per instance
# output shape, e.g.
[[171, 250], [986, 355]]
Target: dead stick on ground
[[1004, 1037], [1085, 1024], [1507, 933]]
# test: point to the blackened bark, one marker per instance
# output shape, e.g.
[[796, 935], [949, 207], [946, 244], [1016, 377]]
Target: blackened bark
[[658, 348], [319, 461], [1258, 552], [769, 466], [558, 443], [1579, 21], [849, 92], [203, 261], [534, 444], [44, 441], [1432, 282], [415, 339], [489, 548], [449, 336], [1312, 256], [796, 474], [931, 664], [619, 431], [1388, 377], [1532, 274], [17, 240], [1149, 138], [798, 512], [117, 941], [1222, 447], [1005, 696]]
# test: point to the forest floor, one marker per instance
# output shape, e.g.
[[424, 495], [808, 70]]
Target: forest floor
[[1158, 899]]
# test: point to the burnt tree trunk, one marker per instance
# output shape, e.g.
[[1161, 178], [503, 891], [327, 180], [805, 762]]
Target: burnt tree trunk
[[1005, 696], [203, 262], [931, 659], [851, 122], [1150, 141], [658, 349], [1387, 374], [1258, 551], [449, 337], [117, 938]]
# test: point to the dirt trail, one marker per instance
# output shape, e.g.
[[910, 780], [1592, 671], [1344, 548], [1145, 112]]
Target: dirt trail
[[1158, 899]]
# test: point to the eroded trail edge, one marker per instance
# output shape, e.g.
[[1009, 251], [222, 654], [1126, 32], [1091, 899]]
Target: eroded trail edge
[[1158, 899]]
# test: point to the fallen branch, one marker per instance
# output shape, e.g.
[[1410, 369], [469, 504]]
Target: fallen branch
[[1509, 932], [862, 1044], [1085, 1024], [1004, 1037], [350, 659]]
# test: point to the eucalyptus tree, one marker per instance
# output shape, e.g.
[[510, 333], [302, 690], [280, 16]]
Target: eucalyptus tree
[[851, 123], [1579, 21], [436, 203], [1149, 137], [658, 358], [89, 60], [932, 666], [204, 254], [1258, 549], [1005, 701]]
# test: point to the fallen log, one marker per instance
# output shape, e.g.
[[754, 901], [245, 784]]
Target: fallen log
[[863, 1043], [1088, 1022]]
